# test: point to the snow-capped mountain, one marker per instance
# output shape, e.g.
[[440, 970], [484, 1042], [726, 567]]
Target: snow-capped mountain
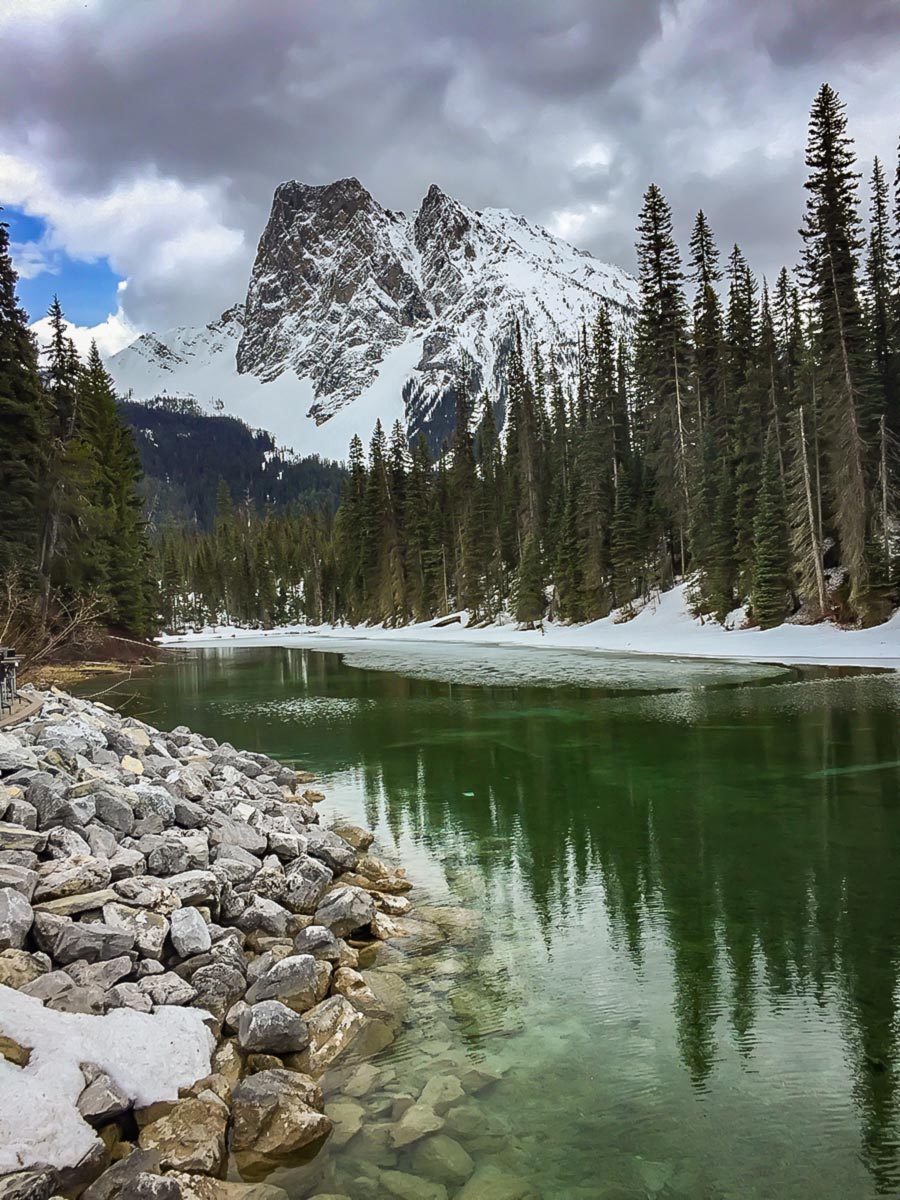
[[355, 312]]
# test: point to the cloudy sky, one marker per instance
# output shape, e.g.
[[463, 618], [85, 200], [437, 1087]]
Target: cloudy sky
[[140, 141]]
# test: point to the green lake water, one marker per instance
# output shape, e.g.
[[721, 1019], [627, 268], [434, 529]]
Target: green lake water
[[688, 876]]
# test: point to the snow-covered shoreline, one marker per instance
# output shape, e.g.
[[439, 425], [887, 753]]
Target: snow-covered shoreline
[[664, 627]]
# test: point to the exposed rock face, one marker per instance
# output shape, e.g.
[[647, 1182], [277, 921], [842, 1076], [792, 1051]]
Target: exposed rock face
[[340, 283], [334, 278], [339, 280]]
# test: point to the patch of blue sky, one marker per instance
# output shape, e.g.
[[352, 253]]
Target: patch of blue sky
[[86, 289]]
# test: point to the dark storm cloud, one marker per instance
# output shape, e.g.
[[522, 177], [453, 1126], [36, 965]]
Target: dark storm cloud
[[562, 110], [810, 31]]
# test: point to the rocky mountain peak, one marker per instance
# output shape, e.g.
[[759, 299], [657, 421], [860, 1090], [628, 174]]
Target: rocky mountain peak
[[350, 300]]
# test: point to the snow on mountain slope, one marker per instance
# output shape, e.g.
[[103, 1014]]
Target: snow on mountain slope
[[355, 312]]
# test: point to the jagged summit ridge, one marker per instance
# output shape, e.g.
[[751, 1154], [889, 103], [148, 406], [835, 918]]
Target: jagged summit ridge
[[349, 299]]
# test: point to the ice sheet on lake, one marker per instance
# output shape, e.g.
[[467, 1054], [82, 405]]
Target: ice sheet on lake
[[501, 666]]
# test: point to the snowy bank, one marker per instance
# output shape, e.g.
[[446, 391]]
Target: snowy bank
[[664, 626], [149, 1056]]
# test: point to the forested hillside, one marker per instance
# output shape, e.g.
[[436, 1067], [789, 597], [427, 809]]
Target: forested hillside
[[185, 453], [745, 438]]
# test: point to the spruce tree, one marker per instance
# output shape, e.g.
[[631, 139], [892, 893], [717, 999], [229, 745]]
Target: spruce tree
[[22, 426], [771, 554], [529, 590], [832, 242], [662, 368], [881, 291], [121, 550]]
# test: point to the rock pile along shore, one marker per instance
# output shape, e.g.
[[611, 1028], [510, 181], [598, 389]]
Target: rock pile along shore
[[183, 954]]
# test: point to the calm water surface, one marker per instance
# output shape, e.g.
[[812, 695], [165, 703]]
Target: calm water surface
[[689, 879]]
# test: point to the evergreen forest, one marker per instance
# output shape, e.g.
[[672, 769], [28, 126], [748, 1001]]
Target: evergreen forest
[[739, 433], [742, 435]]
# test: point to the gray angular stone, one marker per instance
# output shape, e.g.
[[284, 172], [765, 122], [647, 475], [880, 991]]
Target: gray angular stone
[[263, 916], [293, 981], [20, 858], [189, 932], [66, 940], [218, 986], [149, 929], [101, 841], [102, 1099], [102, 974], [17, 837], [345, 909], [331, 849], [306, 880], [167, 988], [68, 906], [151, 798], [67, 843], [20, 878], [114, 811], [20, 812], [196, 887], [72, 734], [113, 1184], [71, 876], [270, 1027], [16, 917], [287, 844], [320, 942], [232, 832], [129, 995], [146, 891], [188, 814], [126, 863]]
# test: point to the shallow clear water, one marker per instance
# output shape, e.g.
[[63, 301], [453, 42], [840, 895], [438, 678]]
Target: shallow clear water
[[688, 876]]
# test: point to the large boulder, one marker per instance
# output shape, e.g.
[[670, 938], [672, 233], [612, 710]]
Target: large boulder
[[332, 1025], [306, 881], [345, 909], [270, 1027], [442, 1159], [16, 917], [66, 940], [292, 980], [274, 1115], [191, 1135], [70, 876], [189, 932], [149, 928]]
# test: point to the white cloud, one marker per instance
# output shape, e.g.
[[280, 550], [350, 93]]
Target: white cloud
[[111, 335], [31, 259], [597, 156], [160, 234]]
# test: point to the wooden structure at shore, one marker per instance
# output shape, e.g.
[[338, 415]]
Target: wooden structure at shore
[[9, 665]]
